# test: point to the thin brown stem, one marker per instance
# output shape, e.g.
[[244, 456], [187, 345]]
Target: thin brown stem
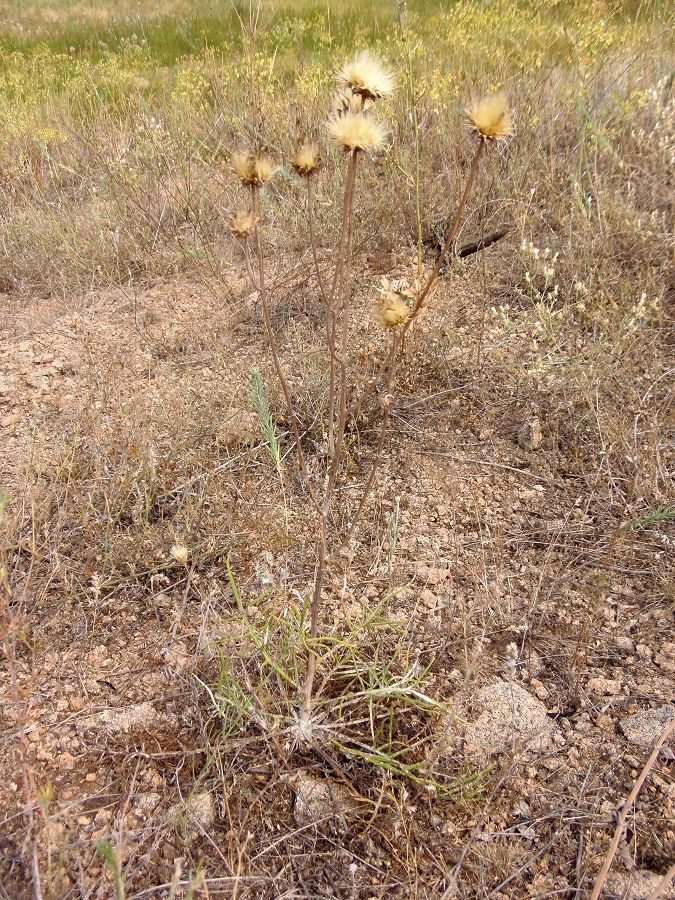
[[449, 238], [343, 296], [330, 321], [387, 403], [339, 294], [433, 277], [632, 797], [315, 606], [249, 267], [312, 240], [273, 349], [663, 884], [335, 294]]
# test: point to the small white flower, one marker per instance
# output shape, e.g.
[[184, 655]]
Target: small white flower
[[180, 554]]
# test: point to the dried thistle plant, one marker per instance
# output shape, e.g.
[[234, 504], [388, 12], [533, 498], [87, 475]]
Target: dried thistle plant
[[306, 160], [490, 118], [365, 77], [252, 169], [392, 309], [355, 131], [242, 224], [362, 82]]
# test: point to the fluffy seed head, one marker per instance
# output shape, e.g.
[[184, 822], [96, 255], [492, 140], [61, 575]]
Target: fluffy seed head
[[252, 169], [306, 160], [242, 223], [490, 118], [365, 76], [392, 310], [355, 131], [180, 554]]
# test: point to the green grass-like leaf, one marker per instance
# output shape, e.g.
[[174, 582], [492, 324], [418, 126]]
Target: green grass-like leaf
[[259, 402]]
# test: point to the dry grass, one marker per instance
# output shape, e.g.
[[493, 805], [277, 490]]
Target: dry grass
[[148, 705]]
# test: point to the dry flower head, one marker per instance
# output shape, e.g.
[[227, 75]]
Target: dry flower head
[[490, 118], [251, 168], [364, 75], [355, 131], [180, 554], [306, 160], [242, 223], [392, 310]]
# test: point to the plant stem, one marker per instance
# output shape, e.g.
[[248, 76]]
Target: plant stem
[[330, 321], [416, 133], [273, 348], [315, 605], [335, 294], [433, 277], [339, 293], [389, 363], [312, 240], [632, 797], [387, 403], [449, 238]]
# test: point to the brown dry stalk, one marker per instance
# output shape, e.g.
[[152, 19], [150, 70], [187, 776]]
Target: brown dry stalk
[[618, 833], [389, 363], [273, 348], [330, 323], [663, 884], [312, 240], [433, 277], [335, 295], [339, 295], [387, 403], [449, 238]]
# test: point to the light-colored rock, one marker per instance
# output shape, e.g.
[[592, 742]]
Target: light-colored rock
[[529, 435], [637, 885], [10, 420], [665, 660], [429, 599], [646, 726], [39, 382], [197, 814], [604, 687], [240, 428], [319, 801], [145, 804], [6, 386], [509, 717], [624, 643], [128, 719]]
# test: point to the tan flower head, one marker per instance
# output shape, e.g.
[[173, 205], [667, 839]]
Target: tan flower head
[[252, 168], [180, 554], [365, 77], [355, 131], [392, 310], [490, 118], [242, 223], [306, 160]]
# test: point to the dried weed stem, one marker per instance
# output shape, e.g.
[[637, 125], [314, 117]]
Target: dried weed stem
[[278, 368]]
